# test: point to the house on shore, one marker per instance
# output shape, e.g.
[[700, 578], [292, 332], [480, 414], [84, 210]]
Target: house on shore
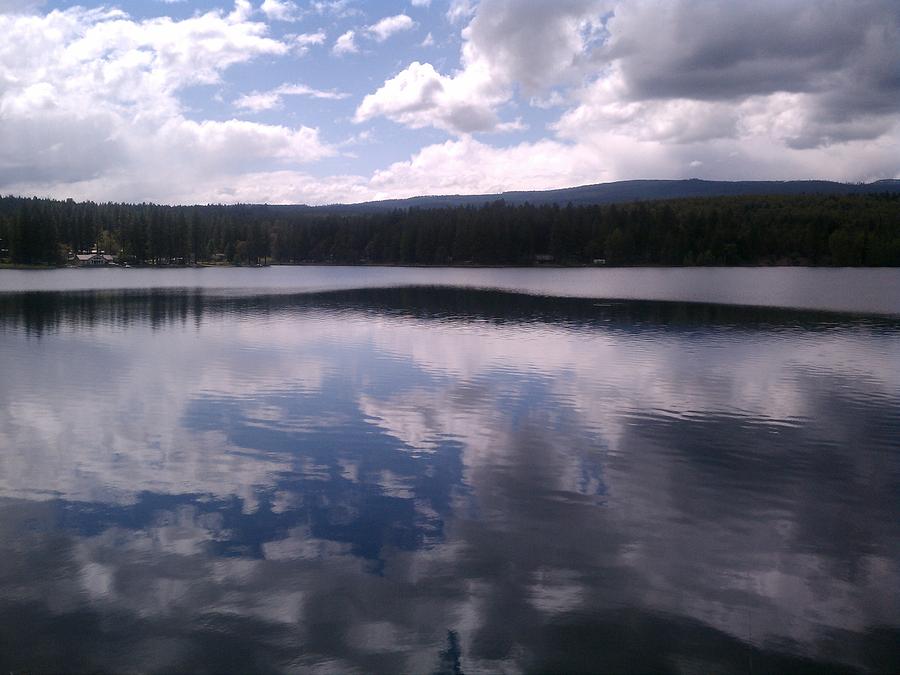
[[92, 259]]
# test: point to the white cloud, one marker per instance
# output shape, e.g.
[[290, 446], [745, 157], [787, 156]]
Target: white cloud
[[795, 94], [102, 59], [228, 146], [420, 96], [605, 105], [390, 25], [305, 40], [258, 101], [469, 166], [538, 45], [241, 12], [428, 41], [460, 10], [280, 10], [421, 3], [533, 45], [462, 166], [345, 44], [89, 101]]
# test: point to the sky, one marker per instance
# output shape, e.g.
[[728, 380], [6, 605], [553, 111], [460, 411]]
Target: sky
[[324, 101]]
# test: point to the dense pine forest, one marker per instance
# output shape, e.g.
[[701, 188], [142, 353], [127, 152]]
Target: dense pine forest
[[806, 229]]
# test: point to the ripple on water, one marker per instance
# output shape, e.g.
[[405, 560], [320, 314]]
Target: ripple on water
[[372, 477]]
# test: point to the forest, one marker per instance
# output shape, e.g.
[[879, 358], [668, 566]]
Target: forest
[[736, 230]]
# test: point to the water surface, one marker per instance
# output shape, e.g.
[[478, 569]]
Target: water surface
[[421, 479], [849, 289]]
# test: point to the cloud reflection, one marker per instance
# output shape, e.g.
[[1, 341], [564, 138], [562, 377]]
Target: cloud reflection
[[404, 479]]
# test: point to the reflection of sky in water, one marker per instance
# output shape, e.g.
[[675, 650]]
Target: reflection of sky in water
[[414, 479]]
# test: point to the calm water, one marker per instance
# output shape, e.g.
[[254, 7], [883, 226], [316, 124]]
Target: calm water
[[335, 470]]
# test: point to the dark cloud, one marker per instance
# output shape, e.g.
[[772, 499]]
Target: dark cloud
[[844, 56], [713, 51]]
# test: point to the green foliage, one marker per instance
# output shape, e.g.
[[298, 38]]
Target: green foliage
[[798, 229]]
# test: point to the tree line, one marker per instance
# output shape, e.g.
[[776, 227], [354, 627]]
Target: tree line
[[804, 229]]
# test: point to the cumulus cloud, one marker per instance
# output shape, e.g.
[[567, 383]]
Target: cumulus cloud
[[242, 11], [537, 45], [838, 60], [419, 96], [788, 77], [383, 29], [345, 44], [280, 10], [306, 40], [90, 97], [507, 43], [630, 89]]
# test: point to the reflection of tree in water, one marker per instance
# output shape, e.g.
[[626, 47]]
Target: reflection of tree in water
[[449, 663], [42, 312]]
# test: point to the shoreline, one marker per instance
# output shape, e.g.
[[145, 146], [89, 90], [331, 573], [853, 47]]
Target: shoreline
[[548, 266]]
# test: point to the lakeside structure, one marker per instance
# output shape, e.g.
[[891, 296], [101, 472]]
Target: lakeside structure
[[93, 259]]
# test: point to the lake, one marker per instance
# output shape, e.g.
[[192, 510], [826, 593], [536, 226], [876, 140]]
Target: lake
[[450, 470]]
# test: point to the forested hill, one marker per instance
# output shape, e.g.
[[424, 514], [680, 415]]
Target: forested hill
[[861, 229], [627, 191]]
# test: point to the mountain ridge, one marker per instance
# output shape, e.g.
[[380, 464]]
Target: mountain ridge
[[615, 192]]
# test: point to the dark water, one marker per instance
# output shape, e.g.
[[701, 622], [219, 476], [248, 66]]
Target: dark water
[[855, 290], [418, 479]]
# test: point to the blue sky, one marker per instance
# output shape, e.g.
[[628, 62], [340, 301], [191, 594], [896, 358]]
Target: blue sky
[[344, 100], [352, 75]]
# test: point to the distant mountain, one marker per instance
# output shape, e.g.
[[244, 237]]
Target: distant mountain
[[622, 191]]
